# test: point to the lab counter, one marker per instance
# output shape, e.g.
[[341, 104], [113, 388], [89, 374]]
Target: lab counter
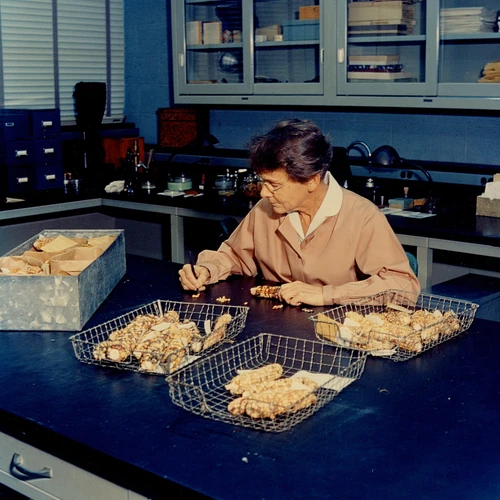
[[425, 428]]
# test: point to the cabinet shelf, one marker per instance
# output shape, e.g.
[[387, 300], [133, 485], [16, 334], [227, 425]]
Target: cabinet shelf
[[387, 39], [216, 46], [297, 43], [472, 36]]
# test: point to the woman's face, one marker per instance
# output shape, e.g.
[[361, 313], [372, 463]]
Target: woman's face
[[284, 193]]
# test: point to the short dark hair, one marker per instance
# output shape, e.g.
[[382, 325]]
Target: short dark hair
[[297, 146]]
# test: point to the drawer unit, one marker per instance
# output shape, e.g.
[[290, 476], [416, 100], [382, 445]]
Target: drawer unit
[[39, 475], [21, 152], [49, 176], [31, 139], [22, 179], [48, 151], [14, 125], [46, 123]]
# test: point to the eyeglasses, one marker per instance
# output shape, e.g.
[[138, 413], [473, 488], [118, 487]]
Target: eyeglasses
[[269, 185]]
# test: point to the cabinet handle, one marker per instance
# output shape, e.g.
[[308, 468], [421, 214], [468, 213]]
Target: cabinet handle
[[48, 151], [18, 470], [340, 56], [22, 180], [21, 152], [50, 177], [46, 124], [181, 60]]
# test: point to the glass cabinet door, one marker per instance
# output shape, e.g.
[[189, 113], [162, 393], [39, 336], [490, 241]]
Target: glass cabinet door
[[387, 48], [469, 48], [287, 50], [215, 55]]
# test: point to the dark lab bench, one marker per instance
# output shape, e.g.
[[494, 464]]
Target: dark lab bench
[[421, 429]]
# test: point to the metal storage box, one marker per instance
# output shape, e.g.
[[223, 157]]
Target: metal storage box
[[306, 29], [63, 303]]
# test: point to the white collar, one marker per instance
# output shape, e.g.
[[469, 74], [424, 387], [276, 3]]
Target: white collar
[[329, 207]]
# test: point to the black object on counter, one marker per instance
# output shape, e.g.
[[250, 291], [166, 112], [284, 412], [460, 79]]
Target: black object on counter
[[90, 103]]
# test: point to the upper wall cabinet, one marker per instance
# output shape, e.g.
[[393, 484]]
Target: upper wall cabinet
[[469, 48], [248, 51], [401, 53], [387, 48], [437, 50]]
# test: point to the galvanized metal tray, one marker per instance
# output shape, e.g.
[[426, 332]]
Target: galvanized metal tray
[[159, 344], [200, 387], [55, 303], [395, 324]]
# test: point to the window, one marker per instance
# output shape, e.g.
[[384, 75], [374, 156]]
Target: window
[[48, 46]]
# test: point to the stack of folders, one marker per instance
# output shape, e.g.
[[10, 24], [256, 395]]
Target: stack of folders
[[376, 67], [468, 20], [372, 18]]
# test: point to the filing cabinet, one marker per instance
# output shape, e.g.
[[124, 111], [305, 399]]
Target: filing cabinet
[[31, 150]]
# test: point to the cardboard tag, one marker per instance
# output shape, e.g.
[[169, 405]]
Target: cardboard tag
[[59, 244], [74, 261]]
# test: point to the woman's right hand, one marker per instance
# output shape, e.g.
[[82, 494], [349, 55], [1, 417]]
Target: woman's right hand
[[191, 282]]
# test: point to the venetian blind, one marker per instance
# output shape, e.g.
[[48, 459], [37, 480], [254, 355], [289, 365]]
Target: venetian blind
[[48, 46]]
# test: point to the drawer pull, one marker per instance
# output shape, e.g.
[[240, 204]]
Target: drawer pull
[[47, 123], [21, 152], [48, 151], [22, 180], [18, 470], [50, 177]]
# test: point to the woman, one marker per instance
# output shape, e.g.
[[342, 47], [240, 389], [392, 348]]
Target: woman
[[326, 244]]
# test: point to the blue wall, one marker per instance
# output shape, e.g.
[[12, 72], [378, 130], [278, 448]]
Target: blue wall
[[462, 137]]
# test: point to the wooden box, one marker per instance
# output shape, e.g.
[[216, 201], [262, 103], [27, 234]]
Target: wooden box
[[309, 12], [177, 127], [115, 149]]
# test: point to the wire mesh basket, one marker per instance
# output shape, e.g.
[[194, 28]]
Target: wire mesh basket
[[395, 324], [161, 336], [201, 386]]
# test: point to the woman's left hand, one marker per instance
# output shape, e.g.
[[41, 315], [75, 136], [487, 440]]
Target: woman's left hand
[[298, 293]]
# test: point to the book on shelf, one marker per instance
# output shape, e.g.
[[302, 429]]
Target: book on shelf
[[194, 33], [389, 29], [375, 75], [396, 80], [374, 59], [212, 33]]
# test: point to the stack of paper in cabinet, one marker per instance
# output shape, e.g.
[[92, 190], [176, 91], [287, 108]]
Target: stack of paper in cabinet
[[468, 20], [376, 67], [393, 17]]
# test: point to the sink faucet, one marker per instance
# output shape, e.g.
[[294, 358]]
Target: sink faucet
[[355, 145]]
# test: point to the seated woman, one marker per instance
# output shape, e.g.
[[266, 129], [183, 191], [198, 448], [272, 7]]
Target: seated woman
[[326, 244]]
